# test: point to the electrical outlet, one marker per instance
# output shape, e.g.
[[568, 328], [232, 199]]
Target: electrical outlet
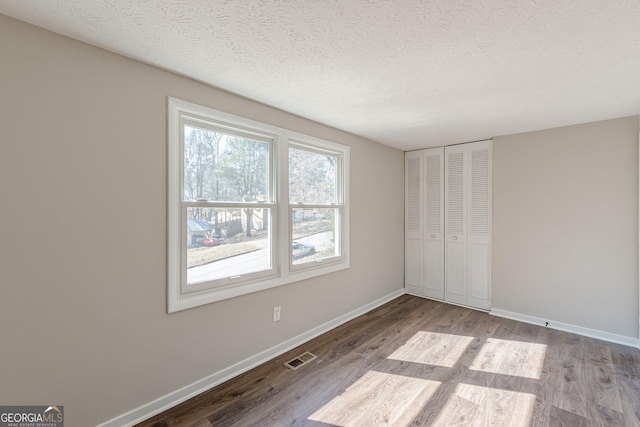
[[276, 313]]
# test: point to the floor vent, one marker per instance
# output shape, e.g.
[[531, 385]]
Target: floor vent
[[300, 360]]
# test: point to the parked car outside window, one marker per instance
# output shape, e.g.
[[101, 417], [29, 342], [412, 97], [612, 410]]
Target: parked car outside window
[[210, 241], [300, 249]]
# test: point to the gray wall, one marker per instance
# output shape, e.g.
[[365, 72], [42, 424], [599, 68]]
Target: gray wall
[[565, 225], [83, 319]]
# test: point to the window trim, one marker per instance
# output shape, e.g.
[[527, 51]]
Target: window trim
[[283, 270]]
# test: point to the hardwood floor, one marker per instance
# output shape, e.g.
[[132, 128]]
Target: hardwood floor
[[417, 362]]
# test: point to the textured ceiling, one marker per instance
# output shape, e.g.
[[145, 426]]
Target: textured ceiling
[[407, 73]]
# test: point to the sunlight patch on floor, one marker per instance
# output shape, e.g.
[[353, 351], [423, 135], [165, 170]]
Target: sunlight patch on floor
[[514, 358], [432, 348], [378, 399], [472, 405]]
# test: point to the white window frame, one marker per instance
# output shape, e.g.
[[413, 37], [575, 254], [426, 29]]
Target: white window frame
[[202, 122], [283, 271], [320, 148]]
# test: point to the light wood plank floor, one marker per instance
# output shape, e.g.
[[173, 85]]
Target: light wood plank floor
[[416, 362]]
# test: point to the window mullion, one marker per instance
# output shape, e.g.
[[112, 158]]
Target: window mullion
[[282, 193]]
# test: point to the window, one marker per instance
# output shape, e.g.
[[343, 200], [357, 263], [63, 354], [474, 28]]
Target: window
[[250, 206], [227, 198], [315, 204]]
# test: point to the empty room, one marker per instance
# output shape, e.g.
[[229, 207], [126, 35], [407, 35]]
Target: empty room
[[319, 213]]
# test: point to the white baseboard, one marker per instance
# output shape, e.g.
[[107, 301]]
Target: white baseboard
[[566, 327], [174, 398]]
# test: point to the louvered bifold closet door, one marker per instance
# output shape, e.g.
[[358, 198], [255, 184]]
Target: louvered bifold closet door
[[479, 225], [455, 258], [434, 223], [414, 282]]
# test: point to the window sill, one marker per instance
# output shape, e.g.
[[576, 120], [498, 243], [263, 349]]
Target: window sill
[[178, 302]]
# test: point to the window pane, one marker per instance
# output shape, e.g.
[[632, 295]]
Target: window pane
[[219, 246], [314, 235], [312, 177], [221, 167]]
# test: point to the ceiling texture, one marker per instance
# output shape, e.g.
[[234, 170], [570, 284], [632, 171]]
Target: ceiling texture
[[407, 73]]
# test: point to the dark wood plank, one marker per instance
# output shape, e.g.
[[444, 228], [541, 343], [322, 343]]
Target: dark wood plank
[[561, 418], [571, 385], [603, 388], [606, 417]]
